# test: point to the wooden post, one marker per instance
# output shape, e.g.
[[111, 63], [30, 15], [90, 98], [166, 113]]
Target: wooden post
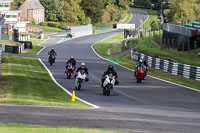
[[195, 46], [172, 43], [165, 42], [168, 43], [183, 45], [189, 46]]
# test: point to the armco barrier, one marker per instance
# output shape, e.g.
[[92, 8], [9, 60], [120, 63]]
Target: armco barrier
[[13, 49], [187, 71]]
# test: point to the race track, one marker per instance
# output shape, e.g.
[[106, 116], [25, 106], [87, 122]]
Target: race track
[[154, 106]]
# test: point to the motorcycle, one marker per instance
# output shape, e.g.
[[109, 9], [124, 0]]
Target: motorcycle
[[140, 73], [52, 59], [80, 79], [69, 70], [108, 84]]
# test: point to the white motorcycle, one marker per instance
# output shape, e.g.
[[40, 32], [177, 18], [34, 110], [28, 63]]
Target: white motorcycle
[[108, 84], [80, 79]]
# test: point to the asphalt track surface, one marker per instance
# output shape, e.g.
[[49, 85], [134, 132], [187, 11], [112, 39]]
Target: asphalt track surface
[[153, 106]]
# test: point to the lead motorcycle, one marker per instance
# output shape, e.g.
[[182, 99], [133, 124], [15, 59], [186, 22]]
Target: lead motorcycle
[[69, 70], [108, 84], [140, 74], [80, 79], [52, 59]]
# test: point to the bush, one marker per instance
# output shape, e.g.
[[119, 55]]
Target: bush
[[53, 24], [44, 23]]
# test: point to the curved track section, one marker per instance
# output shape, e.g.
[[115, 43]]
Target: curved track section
[[153, 106]]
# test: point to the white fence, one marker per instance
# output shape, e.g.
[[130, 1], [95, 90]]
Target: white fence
[[24, 38], [84, 30]]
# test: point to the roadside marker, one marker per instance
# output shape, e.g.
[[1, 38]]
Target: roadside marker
[[73, 96]]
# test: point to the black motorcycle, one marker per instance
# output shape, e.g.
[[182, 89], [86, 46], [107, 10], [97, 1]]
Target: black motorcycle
[[52, 59]]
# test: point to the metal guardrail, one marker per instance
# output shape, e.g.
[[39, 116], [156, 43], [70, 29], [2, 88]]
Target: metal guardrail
[[187, 71], [12, 49]]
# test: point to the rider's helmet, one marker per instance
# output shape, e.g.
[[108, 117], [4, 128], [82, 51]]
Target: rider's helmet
[[52, 49], [71, 57], [110, 67], [82, 65]]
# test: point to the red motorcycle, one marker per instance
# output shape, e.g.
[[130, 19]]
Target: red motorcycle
[[69, 70], [140, 73]]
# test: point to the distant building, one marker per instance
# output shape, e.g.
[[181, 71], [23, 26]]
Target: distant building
[[12, 18], [32, 10]]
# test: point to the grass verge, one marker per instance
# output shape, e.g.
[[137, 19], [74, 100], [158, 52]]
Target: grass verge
[[102, 47], [26, 81], [21, 128], [11, 43], [127, 18], [110, 45], [45, 28], [36, 48], [184, 57]]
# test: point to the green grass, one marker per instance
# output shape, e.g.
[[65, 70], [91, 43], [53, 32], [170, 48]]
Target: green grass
[[114, 43], [183, 57], [32, 35], [45, 28], [154, 16], [126, 61], [8, 42], [36, 48], [128, 17], [21, 128], [26, 81]]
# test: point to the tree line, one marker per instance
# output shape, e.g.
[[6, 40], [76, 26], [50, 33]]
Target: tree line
[[174, 9], [83, 11]]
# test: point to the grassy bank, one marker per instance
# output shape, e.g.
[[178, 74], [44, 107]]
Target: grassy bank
[[11, 43], [36, 48], [110, 45], [21, 128], [45, 28], [184, 57], [127, 18], [102, 47], [26, 81]]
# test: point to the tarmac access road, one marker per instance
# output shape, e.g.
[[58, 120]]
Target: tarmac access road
[[154, 106]]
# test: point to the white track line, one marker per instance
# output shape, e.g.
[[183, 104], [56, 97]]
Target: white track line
[[68, 92]]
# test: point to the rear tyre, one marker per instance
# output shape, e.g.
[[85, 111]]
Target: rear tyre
[[104, 91], [107, 92]]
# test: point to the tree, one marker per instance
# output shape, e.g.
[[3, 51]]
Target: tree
[[155, 25], [53, 10], [180, 9], [93, 9], [74, 12]]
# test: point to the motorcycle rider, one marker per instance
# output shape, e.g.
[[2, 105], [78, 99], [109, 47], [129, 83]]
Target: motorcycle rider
[[71, 61], [52, 53], [107, 72], [142, 63], [82, 67]]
